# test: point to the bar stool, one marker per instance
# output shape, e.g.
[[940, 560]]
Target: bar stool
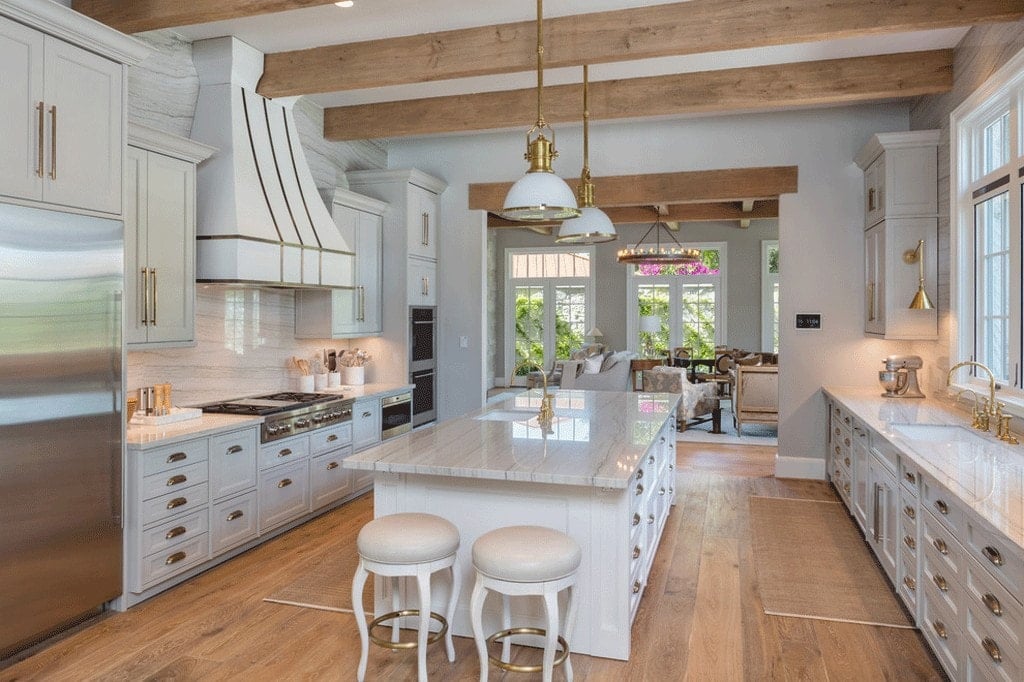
[[518, 561], [414, 546]]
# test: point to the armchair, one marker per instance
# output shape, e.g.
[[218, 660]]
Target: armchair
[[755, 396], [699, 402]]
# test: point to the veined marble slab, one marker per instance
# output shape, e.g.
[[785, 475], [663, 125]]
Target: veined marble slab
[[597, 439], [144, 437], [985, 474]]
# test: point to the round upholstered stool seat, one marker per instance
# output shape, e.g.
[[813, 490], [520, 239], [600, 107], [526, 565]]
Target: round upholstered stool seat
[[407, 539], [412, 546], [522, 561]]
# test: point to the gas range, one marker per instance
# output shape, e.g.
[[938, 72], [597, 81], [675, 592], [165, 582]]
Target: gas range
[[287, 414]]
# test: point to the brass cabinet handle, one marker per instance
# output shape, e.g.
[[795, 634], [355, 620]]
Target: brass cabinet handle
[[177, 479], [940, 628], [876, 516], [639, 474], [237, 514], [661, 492], [367, 415], [41, 108], [992, 649], [846, 441], [837, 450], [910, 583], [175, 558], [636, 551], [993, 605], [636, 586], [177, 457], [650, 518], [425, 231], [846, 461], [871, 301], [53, 142], [993, 555], [846, 419], [284, 483], [940, 545], [331, 438], [145, 296], [909, 542], [636, 519], [284, 453], [332, 465], [942, 507], [175, 532], [177, 502], [910, 511], [837, 428], [846, 487], [152, 319], [362, 303], [650, 458], [940, 582], [426, 281], [639, 488], [910, 477], [235, 449], [871, 198]]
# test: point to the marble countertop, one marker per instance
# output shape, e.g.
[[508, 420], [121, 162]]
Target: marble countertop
[[597, 439], [368, 390], [986, 474]]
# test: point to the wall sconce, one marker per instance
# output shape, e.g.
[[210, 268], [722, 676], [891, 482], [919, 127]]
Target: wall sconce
[[920, 300]]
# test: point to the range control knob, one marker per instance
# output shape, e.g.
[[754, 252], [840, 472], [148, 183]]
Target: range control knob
[[272, 430], [301, 423]]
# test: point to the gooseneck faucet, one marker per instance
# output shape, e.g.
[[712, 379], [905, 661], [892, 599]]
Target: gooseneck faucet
[[547, 412], [990, 409]]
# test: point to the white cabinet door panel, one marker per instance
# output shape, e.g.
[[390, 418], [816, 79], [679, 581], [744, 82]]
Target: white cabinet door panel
[[21, 82]]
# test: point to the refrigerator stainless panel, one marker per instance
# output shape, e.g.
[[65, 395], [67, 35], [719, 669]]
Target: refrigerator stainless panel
[[61, 279]]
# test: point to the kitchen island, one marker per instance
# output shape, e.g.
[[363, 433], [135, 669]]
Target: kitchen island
[[603, 472]]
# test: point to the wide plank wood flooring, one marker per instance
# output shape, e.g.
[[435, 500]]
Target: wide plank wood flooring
[[700, 619]]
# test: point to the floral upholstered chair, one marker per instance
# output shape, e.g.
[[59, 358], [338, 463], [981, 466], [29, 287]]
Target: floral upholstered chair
[[698, 401]]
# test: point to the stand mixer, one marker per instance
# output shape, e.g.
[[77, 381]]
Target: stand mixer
[[899, 378]]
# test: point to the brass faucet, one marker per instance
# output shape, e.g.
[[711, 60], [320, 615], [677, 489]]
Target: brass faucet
[[547, 411], [981, 420]]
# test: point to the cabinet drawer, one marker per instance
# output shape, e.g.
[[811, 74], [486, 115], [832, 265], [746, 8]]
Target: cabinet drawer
[[939, 627], [887, 453], [907, 587], [232, 463], [323, 440], [988, 658], [283, 451], [173, 480], [909, 476], [941, 504], [172, 561], [172, 533], [284, 494], [908, 537], [992, 611], [233, 523], [174, 503], [996, 556], [329, 479], [174, 456]]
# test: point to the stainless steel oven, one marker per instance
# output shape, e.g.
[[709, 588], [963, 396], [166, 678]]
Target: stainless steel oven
[[422, 342], [395, 415]]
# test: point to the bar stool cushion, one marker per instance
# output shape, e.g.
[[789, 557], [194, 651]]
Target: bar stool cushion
[[407, 538], [526, 554]]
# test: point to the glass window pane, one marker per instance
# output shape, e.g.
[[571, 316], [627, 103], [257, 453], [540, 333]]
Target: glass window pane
[[992, 276], [995, 144], [653, 300], [708, 265], [529, 334], [698, 319], [773, 260], [570, 319]]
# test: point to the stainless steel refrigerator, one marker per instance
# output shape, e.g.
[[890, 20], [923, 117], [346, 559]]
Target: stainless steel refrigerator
[[61, 282]]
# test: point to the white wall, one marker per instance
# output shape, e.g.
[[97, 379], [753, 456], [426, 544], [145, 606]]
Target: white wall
[[820, 231]]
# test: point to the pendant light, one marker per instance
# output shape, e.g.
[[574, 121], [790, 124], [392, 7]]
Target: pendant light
[[920, 300], [540, 195], [593, 226], [656, 253]]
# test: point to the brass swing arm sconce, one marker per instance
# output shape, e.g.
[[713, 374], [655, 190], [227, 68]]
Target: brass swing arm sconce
[[916, 255]]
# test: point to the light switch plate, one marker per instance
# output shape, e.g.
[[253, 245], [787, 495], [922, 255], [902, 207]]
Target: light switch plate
[[463, 342]]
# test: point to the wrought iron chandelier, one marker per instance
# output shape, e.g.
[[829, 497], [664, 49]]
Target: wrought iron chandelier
[[657, 253]]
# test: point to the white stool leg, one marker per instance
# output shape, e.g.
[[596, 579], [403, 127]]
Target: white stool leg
[[395, 606], [506, 623], [358, 583], [423, 583], [570, 624], [551, 638], [476, 610], [450, 612]]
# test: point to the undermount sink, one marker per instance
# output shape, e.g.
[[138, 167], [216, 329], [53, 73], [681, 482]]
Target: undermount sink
[[938, 433], [508, 415]]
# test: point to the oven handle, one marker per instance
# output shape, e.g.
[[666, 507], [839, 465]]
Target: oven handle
[[396, 399]]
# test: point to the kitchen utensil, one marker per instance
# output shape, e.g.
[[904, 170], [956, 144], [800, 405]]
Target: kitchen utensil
[[332, 361], [132, 404]]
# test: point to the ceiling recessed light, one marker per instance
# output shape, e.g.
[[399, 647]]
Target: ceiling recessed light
[[345, 3]]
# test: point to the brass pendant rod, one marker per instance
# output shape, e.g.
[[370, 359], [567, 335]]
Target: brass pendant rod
[[920, 263], [540, 64], [586, 127]]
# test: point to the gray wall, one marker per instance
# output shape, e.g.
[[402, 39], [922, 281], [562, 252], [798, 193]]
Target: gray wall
[[743, 288]]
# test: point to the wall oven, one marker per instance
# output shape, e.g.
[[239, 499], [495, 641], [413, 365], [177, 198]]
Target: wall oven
[[395, 415], [423, 397], [423, 363]]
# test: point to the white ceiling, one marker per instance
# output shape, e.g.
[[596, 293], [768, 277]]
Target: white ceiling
[[372, 19]]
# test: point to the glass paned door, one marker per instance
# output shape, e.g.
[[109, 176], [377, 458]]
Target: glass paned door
[[653, 305], [529, 325], [570, 318], [697, 314], [992, 254]]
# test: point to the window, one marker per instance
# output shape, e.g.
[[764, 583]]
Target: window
[[683, 304], [549, 294], [987, 231], [770, 295]]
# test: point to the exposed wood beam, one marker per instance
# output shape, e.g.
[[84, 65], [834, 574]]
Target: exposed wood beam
[[662, 30], [133, 16], [818, 83], [677, 213], [731, 184]]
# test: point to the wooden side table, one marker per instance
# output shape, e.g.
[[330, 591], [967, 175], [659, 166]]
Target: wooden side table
[[639, 365]]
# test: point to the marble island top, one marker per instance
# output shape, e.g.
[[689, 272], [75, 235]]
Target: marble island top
[[596, 439], [984, 473]]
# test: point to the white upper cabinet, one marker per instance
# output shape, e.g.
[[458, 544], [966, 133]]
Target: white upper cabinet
[[63, 106], [422, 222]]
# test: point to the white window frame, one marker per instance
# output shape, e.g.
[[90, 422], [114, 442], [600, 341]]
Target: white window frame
[[769, 281], [674, 323], [549, 283], [1003, 90]]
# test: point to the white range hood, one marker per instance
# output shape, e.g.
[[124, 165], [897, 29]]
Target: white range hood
[[260, 219]]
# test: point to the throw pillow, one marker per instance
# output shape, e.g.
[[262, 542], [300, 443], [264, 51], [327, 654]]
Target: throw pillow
[[592, 365], [751, 359]]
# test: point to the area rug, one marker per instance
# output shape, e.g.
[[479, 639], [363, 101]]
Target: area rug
[[327, 586], [753, 434], [812, 563]]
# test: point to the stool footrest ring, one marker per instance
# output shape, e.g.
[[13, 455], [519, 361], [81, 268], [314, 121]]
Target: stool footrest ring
[[512, 667], [388, 644]]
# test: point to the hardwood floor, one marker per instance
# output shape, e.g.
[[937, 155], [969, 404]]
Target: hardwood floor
[[700, 619]]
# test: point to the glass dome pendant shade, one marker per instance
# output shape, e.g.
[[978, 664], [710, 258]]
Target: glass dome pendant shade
[[540, 195]]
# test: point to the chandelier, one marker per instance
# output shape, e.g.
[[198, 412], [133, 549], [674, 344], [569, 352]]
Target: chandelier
[[657, 253]]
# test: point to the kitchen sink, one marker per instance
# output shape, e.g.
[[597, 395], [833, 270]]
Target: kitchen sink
[[508, 415], [938, 433]]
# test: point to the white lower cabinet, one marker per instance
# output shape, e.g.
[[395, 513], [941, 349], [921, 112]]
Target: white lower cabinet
[[284, 494], [329, 479], [233, 522]]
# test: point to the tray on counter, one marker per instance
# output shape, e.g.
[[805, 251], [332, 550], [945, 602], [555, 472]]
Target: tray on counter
[[177, 414]]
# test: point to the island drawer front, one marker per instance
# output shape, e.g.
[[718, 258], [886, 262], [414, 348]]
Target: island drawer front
[[232, 463], [234, 522], [908, 586], [887, 453], [841, 416], [175, 503], [173, 480], [175, 532], [998, 656], [284, 494], [979, 667], [910, 478], [325, 440], [172, 561], [939, 626], [996, 556], [330, 480], [174, 456], [283, 452], [940, 572], [909, 540], [1000, 615], [941, 504]]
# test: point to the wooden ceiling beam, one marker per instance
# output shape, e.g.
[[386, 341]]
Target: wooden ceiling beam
[[677, 213], [681, 28], [134, 16], [799, 84], [731, 184]]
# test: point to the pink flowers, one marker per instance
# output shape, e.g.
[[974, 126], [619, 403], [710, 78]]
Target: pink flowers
[[653, 269]]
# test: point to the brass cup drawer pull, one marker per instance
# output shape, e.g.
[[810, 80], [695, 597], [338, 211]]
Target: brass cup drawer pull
[[910, 583], [940, 628], [846, 442], [332, 465], [177, 502], [650, 459], [636, 519], [639, 474], [284, 483], [942, 507], [176, 457], [331, 438], [639, 489], [910, 511], [909, 542], [846, 461], [175, 558], [284, 453], [910, 477], [661, 492], [177, 479], [992, 603], [837, 450], [940, 582], [175, 532], [650, 519], [846, 487], [940, 545], [235, 515], [993, 555], [636, 586], [992, 649], [234, 449], [636, 551]]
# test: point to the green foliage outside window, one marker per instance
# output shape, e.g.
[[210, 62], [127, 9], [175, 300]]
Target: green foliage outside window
[[529, 333]]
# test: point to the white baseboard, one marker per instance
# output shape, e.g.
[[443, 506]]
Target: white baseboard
[[799, 467]]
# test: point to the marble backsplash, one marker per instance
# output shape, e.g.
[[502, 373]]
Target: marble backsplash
[[244, 346]]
